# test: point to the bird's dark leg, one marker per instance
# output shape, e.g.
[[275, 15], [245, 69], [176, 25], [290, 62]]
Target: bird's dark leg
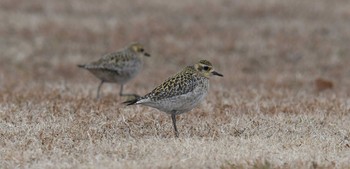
[[98, 89], [121, 90], [173, 117], [122, 94]]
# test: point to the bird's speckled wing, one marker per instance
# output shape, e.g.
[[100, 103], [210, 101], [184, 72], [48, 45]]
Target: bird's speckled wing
[[181, 83], [116, 61]]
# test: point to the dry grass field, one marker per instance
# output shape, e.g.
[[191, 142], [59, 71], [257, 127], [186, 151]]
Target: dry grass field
[[284, 100]]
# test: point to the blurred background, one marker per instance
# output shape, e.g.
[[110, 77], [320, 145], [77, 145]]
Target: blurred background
[[283, 101], [269, 45]]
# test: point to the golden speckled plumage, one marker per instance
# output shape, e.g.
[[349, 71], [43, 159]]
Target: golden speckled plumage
[[181, 92], [118, 67], [181, 83]]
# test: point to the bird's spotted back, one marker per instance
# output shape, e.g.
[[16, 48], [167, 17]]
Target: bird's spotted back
[[116, 59], [119, 66], [181, 83]]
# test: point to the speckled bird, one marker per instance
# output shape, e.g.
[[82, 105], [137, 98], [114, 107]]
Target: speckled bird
[[181, 92], [118, 67]]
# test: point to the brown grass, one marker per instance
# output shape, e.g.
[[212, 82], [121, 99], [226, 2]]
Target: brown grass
[[271, 110]]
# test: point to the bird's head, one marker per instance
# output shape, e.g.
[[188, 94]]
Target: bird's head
[[205, 68], [138, 48]]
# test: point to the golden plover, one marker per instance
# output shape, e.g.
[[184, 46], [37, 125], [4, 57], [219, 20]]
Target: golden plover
[[118, 67], [181, 92]]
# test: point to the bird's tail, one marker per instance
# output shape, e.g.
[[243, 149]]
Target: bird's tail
[[81, 66], [131, 102]]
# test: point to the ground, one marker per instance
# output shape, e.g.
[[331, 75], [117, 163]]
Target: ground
[[283, 101]]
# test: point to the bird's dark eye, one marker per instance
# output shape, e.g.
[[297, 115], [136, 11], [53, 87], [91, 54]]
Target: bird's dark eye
[[206, 68], [141, 50]]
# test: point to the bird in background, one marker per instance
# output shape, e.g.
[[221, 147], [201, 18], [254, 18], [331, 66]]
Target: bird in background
[[181, 92], [118, 67]]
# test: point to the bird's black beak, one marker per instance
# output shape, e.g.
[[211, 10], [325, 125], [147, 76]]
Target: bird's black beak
[[217, 74], [147, 54]]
